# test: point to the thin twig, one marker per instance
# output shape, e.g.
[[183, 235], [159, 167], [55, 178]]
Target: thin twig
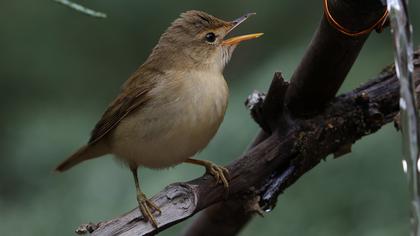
[[82, 9]]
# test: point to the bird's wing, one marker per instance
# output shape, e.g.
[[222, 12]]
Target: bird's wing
[[134, 95]]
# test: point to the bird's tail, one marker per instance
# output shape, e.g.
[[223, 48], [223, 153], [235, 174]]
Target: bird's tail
[[84, 153]]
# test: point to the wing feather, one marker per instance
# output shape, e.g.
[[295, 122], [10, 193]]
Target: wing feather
[[133, 96]]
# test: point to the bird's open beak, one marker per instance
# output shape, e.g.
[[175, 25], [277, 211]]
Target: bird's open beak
[[238, 39]]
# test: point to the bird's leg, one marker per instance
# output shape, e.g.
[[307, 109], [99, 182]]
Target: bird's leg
[[146, 206], [220, 173]]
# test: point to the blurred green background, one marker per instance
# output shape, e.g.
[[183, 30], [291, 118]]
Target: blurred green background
[[59, 69]]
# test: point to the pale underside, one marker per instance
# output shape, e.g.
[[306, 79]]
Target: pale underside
[[175, 125]]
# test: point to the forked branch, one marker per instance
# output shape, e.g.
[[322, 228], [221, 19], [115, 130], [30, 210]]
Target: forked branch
[[348, 118]]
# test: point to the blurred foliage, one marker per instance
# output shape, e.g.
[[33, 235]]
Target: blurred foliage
[[60, 68]]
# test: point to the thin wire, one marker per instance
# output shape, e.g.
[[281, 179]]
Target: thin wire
[[379, 24]]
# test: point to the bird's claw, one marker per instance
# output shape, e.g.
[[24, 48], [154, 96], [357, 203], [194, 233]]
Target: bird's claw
[[147, 208], [220, 173]]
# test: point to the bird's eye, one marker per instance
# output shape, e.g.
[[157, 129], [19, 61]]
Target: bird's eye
[[210, 37]]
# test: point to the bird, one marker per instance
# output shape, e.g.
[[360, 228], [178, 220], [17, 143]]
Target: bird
[[172, 105]]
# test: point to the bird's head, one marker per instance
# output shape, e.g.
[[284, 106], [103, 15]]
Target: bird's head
[[198, 39]]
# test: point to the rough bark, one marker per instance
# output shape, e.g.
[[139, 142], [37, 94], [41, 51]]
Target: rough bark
[[346, 119], [314, 84]]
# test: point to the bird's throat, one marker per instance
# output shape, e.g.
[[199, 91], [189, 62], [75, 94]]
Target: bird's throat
[[225, 55]]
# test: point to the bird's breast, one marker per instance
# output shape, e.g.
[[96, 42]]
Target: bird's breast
[[204, 97], [187, 112]]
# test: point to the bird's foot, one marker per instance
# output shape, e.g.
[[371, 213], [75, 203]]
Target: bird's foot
[[147, 208], [220, 173]]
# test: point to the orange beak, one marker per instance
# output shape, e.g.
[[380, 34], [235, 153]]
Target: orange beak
[[238, 39]]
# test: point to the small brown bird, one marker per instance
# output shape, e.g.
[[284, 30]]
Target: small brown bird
[[172, 106]]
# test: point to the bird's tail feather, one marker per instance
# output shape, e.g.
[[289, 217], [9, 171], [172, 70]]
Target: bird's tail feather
[[84, 153]]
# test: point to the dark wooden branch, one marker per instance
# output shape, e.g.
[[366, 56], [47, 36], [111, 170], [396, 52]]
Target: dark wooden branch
[[346, 120], [267, 109], [314, 83], [330, 56]]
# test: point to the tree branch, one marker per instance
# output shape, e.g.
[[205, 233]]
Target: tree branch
[[348, 118], [330, 56], [314, 84]]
